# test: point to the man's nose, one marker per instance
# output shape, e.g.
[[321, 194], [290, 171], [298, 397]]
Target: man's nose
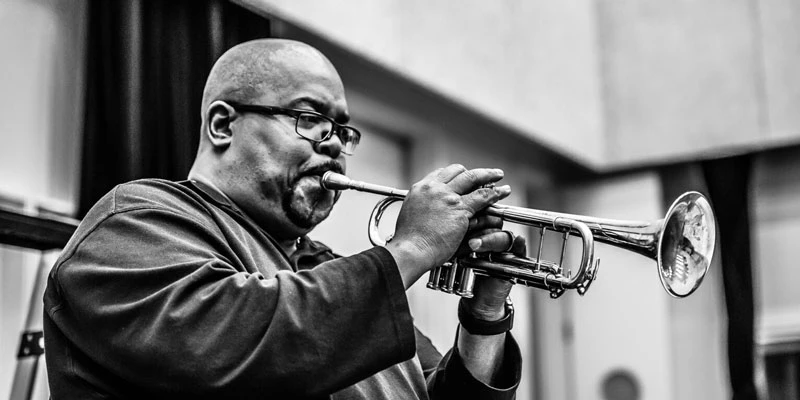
[[331, 147]]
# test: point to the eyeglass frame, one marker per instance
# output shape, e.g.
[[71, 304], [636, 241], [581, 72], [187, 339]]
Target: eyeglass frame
[[295, 113]]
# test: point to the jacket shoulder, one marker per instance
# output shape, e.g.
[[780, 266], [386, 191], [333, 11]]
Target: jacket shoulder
[[151, 193]]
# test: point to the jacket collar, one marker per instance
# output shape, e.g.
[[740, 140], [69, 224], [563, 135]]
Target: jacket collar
[[305, 248]]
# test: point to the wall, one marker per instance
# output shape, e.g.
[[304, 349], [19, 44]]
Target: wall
[[612, 84], [681, 77], [530, 64], [626, 320], [779, 27], [776, 225], [622, 320], [697, 332], [696, 79], [39, 159]]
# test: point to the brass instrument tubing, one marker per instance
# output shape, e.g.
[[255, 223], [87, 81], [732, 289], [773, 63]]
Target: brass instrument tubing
[[542, 231], [563, 249]]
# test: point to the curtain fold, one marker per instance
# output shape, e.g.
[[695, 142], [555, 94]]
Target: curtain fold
[[726, 184], [147, 64]]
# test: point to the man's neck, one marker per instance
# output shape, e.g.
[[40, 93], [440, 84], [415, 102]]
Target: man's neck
[[289, 246], [204, 180]]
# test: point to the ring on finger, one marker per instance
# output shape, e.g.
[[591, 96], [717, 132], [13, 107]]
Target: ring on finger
[[511, 238]]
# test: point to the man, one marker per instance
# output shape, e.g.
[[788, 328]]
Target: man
[[210, 288]]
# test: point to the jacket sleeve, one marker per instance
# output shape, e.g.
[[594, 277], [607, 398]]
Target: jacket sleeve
[[448, 378], [154, 297]]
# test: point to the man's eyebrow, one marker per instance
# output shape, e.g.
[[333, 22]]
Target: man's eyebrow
[[319, 107], [315, 104]]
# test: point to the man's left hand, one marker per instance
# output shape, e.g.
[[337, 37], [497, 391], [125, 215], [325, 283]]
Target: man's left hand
[[485, 235]]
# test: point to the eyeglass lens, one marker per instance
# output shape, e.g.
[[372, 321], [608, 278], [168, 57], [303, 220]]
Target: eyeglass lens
[[316, 128]]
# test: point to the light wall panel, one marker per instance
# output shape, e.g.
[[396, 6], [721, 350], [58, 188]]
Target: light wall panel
[[41, 78], [623, 320], [681, 78], [611, 84], [776, 227], [779, 26], [531, 65]]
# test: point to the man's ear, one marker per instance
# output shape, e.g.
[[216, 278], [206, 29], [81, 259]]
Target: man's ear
[[220, 116]]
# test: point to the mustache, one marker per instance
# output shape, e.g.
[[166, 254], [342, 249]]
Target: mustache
[[323, 168]]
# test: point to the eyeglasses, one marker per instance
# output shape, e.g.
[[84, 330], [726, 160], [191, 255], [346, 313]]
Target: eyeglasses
[[310, 125]]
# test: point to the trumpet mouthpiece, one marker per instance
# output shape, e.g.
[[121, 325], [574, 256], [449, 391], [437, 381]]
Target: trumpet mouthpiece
[[333, 181]]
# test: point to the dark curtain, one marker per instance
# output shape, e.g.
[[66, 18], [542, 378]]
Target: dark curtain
[[726, 183], [147, 62]]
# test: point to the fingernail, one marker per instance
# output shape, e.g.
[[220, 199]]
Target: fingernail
[[505, 189], [475, 244], [500, 171]]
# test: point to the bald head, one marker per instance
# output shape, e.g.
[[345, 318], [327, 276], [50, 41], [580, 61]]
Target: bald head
[[251, 69], [258, 159]]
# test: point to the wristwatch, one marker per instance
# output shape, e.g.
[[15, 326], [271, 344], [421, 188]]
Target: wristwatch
[[482, 327]]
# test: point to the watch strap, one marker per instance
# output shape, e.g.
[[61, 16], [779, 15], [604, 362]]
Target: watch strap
[[476, 326]]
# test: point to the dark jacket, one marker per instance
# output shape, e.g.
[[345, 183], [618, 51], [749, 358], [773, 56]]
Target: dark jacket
[[168, 290]]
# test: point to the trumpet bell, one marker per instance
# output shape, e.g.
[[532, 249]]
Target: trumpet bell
[[687, 244]]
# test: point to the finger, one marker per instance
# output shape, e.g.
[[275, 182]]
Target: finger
[[446, 174], [489, 295], [495, 241], [493, 288], [469, 180], [484, 197], [520, 247], [481, 221], [464, 247]]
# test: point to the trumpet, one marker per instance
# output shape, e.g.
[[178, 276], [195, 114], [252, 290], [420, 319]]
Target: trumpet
[[682, 244]]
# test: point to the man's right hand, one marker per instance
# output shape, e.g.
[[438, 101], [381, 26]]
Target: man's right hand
[[435, 216]]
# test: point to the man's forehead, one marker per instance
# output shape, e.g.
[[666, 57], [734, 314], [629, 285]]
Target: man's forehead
[[314, 84], [319, 98]]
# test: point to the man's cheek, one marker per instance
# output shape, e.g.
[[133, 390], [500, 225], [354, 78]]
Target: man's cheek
[[310, 197]]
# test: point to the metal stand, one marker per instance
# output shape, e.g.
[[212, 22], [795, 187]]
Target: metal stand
[[31, 346], [47, 233]]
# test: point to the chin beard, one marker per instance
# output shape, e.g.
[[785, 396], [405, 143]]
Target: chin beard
[[304, 212]]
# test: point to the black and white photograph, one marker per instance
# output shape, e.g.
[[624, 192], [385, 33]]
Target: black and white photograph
[[400, 199]]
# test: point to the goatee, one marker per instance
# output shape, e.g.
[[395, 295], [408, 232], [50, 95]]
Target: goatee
[[302, 210]]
